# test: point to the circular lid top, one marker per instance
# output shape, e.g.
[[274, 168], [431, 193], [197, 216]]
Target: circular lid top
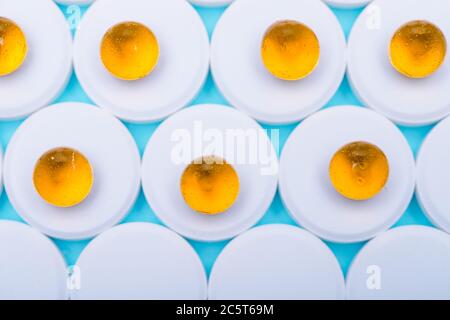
[[239, 71], [110, 150], [206, 130], [276, 262], [406, 101], [181, 70], [31, 267], [404, 263], [39, 80], [140, 261], [433, 175], [328, 214]]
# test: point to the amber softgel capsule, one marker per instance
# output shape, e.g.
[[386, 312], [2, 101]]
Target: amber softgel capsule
[[129, 51], [359, 170], [63, 177], [210, 185], [290, 50], [418, 49], [13, 47]]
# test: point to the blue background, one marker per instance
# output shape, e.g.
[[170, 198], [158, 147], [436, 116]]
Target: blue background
[[209, 94]]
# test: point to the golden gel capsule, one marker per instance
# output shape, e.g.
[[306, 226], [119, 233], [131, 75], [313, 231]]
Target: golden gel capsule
[[290, 50], [129, 51], [63, 177], [13, 47], [359, 170], [210, 185], [418, 49]]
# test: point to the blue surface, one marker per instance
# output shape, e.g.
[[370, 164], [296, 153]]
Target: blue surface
[[276, 214]]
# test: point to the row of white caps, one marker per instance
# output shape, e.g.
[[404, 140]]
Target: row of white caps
[[147, 261], [235, 59], [301, 174]]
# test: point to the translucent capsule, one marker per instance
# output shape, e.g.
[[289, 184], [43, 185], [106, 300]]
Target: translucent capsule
[[210, 185], [129, 51], [359, 170], [13, 47], [63, 177], [418, 49], [290, 50]]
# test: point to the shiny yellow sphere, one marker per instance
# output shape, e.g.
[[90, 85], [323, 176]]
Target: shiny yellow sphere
[[418, 49], [210, 185], [63, 177], [290, 50], [359, 170], [13, 47], [129, 51]]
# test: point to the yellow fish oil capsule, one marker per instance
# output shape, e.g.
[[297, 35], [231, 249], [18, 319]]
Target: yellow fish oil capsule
[[359, 170], [290, 50], [129, 51], [63, 177], [13, 47], [210, 185], [418, 49]]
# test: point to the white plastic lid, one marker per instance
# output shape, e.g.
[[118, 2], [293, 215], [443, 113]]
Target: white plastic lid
[[31, 267], [433, 175], [48, 65], [406, 263], [140, 261], [239, 71], [276, 262], [108, 146], [181, 71], [404, 100], [305, 185], [195, 132]]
